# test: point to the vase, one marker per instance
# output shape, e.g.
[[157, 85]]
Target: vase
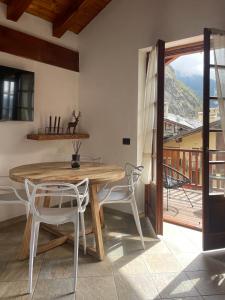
[[75, 162]]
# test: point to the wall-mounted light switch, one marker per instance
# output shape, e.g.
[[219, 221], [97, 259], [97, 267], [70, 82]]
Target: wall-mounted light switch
[[126, 141]]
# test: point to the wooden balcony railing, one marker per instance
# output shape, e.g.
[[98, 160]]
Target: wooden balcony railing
[[186, 161]]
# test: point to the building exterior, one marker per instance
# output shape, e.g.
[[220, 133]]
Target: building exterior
[[176, 125], [184, 153]]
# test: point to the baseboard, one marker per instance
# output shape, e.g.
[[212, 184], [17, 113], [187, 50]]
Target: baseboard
[[12, 221], [22, 218]]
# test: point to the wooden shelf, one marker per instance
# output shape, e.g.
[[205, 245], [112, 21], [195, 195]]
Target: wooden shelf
[[52, 137]]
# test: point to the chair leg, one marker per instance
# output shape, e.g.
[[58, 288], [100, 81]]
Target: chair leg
[[36, 238], [137, 220], [60, 201], [31, 259], [76, 248], [60, 204], [187, 197], [83, 231]]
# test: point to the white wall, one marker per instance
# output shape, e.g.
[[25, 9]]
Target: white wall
[[56, 93], [108, 79], [182, 19], [109, 64]]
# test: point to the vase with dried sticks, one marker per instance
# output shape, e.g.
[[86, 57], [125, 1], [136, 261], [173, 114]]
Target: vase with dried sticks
[[75, 163]]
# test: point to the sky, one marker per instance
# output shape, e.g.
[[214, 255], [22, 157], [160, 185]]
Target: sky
[[188, 65]]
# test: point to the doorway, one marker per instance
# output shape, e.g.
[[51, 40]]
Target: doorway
[[182, 147], [186, 162], [213, 176]]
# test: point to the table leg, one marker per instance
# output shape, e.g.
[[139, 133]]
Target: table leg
[[26, 239], [47, 201], [62, 237], [101, 214], [27, 232], [26, 236], [96, 223]]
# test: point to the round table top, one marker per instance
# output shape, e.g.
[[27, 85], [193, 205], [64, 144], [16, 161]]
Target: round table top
[[62, 172]]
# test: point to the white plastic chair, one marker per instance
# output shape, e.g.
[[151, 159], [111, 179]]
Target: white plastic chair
[[57, 215], [125, 194], [83, 158], [10, 195]]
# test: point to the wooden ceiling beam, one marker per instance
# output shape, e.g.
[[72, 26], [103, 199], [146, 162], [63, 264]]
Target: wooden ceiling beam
[[65, 21], [16, 8], [78, 16], [25, 45]]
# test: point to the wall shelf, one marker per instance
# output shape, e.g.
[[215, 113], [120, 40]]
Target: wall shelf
[[52, 137]]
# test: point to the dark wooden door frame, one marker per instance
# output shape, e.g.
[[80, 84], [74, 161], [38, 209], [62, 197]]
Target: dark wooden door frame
[[159, 148], [213, 204], [173, 53], [165, 56], [205, 135], [156, 216]]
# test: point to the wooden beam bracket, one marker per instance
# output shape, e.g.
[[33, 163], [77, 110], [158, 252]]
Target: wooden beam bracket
[[16, 8]]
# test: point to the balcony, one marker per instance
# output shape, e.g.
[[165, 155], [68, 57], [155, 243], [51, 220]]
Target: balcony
[[189, 163]]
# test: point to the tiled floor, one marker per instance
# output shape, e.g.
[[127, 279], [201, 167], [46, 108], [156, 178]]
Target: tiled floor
[[179, 209], [172, 267]]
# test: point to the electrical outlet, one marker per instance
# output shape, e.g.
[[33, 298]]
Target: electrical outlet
[[126, 141]]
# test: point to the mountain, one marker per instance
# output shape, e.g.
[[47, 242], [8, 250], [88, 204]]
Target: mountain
[[195, 82], [183, 100]]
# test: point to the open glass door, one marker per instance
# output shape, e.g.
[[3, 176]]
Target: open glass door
[[213, 141], [154, 190]]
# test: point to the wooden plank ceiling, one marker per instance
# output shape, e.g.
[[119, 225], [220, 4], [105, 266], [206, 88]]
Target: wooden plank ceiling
[[73, 15]]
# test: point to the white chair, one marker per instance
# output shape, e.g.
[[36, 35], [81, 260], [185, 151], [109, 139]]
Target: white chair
[[57, 215], [10, 195], [125, 194], [83, 158]]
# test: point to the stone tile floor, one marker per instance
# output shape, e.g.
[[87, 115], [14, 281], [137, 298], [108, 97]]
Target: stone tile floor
[[172, 267]]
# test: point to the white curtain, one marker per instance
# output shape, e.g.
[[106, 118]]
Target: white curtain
[[218, 45], [149, 118]]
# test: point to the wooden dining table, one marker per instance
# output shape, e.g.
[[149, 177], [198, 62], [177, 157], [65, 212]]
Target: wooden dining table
[[97, 173]]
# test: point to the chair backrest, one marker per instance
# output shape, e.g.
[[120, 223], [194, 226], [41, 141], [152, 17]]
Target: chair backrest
[[172, 177], [133, 174], [57, 190], [89, 158]]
